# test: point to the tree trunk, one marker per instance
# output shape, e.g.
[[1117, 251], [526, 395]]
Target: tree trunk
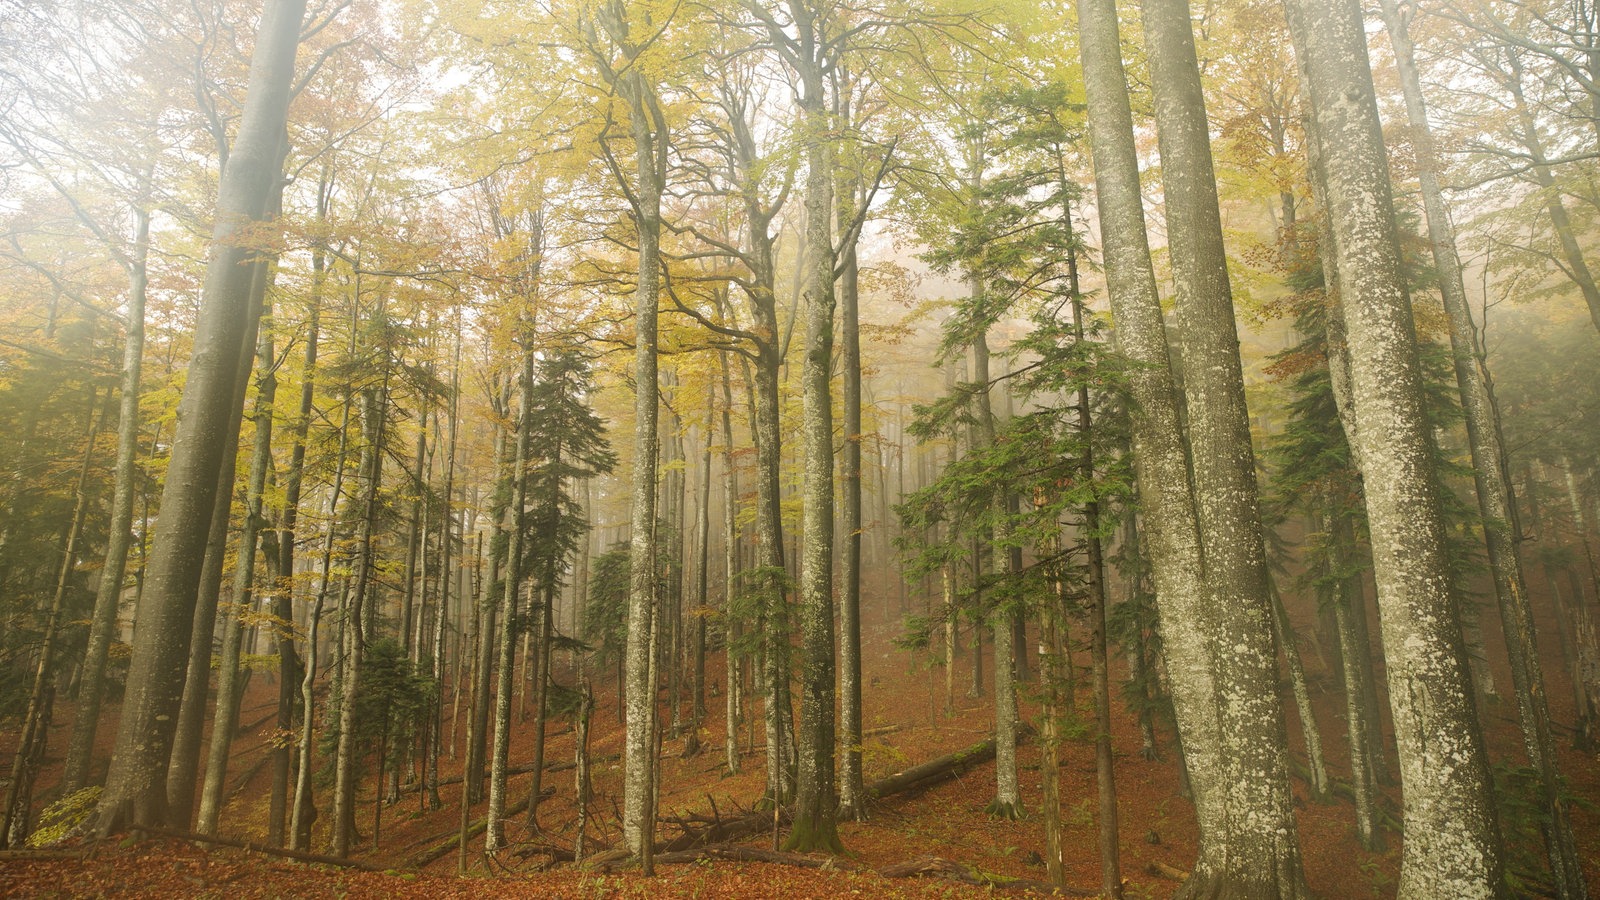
[[1321, 788], [511, 615], [108, 595], [230, 687], [374, 411], [730, 578], [183, 769], [289, 663], [1007, 803], [1261, 852], [1453, 846], [136, 785], [1160, 456], [1496, 503], [304, 813], [851, 786], [1100, 663], [649, 132], [816, 805]]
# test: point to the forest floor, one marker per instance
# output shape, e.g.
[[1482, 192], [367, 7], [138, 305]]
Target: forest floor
[[907, 724]]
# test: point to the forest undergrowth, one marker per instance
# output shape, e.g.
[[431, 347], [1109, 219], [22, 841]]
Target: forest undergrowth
[[905, 725]]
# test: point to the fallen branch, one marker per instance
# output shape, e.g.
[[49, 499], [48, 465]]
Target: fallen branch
[[244, 780], [933, 771], [1162, 870], [925, 867], [252, 847], [949, 870]]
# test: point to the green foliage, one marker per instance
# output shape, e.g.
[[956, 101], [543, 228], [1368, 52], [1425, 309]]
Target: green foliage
[[393, 698], [605, 618], [1524, 818], [570, 443]]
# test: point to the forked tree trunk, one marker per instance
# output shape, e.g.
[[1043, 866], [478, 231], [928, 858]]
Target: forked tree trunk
[[136, 785], [1259, 846], [1159, 452]]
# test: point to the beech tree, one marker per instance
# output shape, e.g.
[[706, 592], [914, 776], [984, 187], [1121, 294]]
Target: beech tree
[[136, 785], [1453, 844]]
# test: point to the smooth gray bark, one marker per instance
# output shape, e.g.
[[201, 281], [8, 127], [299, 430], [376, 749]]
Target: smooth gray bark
[[1160, 456], [816, 801], [136, 784], [230, 686]]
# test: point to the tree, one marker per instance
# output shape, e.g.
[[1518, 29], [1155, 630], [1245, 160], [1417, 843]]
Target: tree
[[1453, 847], [629, 33], [136, 785], [1491, 473]]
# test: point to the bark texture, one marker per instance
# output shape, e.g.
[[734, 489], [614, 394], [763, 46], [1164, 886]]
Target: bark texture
[[1160, 456], [1452, 847], [1490, 473], [1259, 854]]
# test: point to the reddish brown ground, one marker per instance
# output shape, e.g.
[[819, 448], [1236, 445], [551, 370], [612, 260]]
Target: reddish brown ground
[[1157, 824]]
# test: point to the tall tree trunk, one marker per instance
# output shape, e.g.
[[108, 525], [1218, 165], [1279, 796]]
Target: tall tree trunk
[[374, 411], [1160, 455], [136, 784], [511, 615], [1453, 846], [230, 686], [731, 586], [1105, 774], [1321, 789], [1496, 504], [108, 595], [852, 790], [1007, 803], [650, 141], [1262, 854], [1357, 672], [290, 669], [305, 812], [816, 800], [183, 769], [484, 644]]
